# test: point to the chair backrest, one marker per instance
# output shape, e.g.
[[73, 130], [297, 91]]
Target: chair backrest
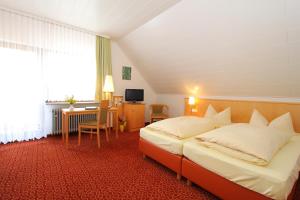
[[103, 116], [159, 108], [103, 110]]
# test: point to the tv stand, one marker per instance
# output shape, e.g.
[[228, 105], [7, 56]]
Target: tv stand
[[135, 115]]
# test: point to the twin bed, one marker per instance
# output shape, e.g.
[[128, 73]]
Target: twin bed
[[223, 174], [167, 148]]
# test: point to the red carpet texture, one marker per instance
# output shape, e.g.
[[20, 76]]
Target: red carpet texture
[[45, 169]]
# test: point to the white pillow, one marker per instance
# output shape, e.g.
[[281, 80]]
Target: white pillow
[[257, 119], [210, 111], [223, 118], [283, 123]]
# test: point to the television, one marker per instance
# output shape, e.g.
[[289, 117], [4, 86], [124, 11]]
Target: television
[[134, 95]]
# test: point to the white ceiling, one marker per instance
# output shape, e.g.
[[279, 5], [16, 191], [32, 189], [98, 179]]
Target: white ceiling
[[113, 18], [206, 47], [217, 47]]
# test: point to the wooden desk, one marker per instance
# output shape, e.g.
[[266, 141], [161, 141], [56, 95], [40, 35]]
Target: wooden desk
[[66, 113]]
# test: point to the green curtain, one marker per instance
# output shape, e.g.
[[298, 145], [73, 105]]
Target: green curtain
[[103, 64]]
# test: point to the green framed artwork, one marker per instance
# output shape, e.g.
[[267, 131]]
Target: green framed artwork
[[126, 73]]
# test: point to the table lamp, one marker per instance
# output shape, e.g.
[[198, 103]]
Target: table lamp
[[108, 87]]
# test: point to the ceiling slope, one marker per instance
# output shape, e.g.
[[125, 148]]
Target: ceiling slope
[[223, 48], [113, 18]]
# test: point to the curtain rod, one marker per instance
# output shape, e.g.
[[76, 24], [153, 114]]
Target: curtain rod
[[50, 21]]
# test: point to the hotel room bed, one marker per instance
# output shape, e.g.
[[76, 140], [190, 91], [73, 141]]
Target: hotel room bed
[[163, 148], [226, 176], [166, 148], [166, 142], [168, 159], [275, 180]]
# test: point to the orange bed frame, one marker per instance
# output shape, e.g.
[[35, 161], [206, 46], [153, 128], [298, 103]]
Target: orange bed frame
[[220, 186], [241, 111], [204, 178], [170, 160]]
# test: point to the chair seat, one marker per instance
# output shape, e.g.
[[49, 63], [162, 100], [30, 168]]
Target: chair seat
[[91, 123]]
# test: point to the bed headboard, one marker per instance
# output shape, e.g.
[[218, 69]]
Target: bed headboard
[[241, 110]]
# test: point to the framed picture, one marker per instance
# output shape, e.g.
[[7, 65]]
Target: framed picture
[[126, 73]]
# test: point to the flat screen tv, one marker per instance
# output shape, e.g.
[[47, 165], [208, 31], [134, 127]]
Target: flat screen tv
[[134, 95]]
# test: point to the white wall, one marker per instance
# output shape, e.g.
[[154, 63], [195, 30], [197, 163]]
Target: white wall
[[175, 103], [119, 59]]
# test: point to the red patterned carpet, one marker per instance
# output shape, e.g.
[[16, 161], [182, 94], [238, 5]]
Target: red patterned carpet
[[45, 169]]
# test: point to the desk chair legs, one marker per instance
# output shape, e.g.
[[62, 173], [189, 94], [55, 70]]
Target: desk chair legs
[[79, 136], [98, 138], [106, 133], [91, 136]]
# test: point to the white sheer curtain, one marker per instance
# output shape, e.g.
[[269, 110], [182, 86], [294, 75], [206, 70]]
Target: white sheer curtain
[[21, 107], [40, 60]]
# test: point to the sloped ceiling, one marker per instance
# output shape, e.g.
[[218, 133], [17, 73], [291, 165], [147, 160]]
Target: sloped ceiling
[[223, 48], [112, 18]]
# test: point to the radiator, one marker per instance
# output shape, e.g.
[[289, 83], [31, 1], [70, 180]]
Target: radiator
[[73, 121]]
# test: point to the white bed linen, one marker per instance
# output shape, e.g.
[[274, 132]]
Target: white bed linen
[[275, 180], [163, 141], [245, 141], [184, 126]]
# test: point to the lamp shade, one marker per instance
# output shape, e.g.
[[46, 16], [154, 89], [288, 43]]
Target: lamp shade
[[108, 84], [192, 100]]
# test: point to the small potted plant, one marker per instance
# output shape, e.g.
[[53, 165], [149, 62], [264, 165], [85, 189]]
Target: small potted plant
[[122, 123], [71, 100]]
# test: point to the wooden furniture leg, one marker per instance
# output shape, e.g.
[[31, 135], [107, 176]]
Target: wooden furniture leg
[[67, 129], [106, 133], [63, 128], [79, 135], [98, 138], [117, 124], [109, 122]]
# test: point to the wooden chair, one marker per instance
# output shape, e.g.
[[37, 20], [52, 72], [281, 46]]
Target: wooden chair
[[93, 127], [158, 112]]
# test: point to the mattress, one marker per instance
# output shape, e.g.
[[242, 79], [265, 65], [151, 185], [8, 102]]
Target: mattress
[[167, 142], [275, 180]]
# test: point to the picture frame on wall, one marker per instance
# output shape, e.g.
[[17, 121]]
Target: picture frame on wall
[[126, 73]]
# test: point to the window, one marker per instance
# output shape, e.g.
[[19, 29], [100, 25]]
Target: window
[[40, 60], [70, 74]]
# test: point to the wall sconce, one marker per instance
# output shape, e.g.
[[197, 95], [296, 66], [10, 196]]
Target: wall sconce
[[192, 103], [192, 100]]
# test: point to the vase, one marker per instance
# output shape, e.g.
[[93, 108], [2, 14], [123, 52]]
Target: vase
[[71, 107]]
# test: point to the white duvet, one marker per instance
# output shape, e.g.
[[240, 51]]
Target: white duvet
[[253, 144], [183, 127]]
